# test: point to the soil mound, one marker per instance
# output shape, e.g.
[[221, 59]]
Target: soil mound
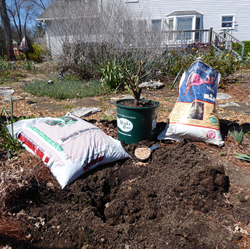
[[174, 200]]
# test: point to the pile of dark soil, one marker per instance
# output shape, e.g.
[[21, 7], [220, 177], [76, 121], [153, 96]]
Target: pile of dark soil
[[141, 103], [176, 199]]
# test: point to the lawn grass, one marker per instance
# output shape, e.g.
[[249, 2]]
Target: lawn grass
[[65, 89]]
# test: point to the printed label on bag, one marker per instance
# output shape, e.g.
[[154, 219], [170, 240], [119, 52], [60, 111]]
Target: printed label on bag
[[211, 134], [61, 122]]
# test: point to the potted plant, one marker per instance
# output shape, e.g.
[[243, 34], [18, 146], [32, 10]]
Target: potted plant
[[136, 118]]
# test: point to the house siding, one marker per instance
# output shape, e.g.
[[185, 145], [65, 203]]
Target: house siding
[[212, 11], [159, 9]]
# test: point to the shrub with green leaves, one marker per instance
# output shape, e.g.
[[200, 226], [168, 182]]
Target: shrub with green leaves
[[224, 62], [40, 53], [238, 48], [176, 60]]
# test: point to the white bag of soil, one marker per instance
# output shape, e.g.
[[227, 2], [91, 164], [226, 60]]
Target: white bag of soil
[[68, 145], [194, 115]]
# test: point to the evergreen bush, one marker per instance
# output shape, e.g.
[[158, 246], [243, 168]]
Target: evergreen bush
[[40, 53]]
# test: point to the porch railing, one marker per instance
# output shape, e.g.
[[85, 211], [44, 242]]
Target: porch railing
[[229, 42], [206, 38], [182, 39]]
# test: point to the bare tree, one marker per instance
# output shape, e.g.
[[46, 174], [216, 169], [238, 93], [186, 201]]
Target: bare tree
[[82, 33], [42, 4], [7, 29], [2, 41], [21, 12]]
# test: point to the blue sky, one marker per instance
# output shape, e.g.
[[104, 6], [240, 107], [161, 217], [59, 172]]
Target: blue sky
[[32, 18]]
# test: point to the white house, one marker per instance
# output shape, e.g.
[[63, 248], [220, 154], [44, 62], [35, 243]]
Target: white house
[[162, 16], [229, 15]]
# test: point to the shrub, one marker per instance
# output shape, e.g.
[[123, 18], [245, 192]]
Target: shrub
[[238, 48], [40, 53], [224, 62], [247, 48], [80, 57], [176, 60]]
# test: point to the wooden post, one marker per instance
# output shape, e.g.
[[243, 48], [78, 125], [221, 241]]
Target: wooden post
[[210, 36]]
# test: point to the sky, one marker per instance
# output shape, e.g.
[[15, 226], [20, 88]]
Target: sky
[[34, 13]]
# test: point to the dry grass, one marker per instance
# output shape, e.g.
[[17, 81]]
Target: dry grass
[[11, 231]]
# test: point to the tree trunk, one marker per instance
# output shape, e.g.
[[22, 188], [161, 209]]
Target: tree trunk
[[7, 30], [137, 95]]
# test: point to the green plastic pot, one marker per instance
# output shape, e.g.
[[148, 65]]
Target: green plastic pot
[[136, 123]]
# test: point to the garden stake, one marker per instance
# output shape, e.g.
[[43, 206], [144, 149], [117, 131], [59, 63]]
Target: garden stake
[[176, 78]]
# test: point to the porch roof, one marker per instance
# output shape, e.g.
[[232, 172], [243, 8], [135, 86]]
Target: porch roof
[[185, 13]]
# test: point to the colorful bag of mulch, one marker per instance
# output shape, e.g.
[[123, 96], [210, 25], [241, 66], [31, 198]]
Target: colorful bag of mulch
[[68, 145], [194, 115]]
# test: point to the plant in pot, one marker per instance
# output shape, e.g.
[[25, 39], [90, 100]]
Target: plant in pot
[[133, 79], [136, 118]]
